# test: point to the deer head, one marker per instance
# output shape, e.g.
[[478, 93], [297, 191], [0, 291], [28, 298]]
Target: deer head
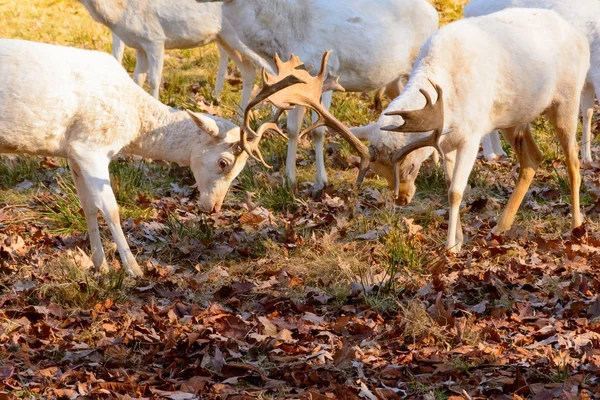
[[429, 118]]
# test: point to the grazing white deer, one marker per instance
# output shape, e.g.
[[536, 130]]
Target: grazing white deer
[[498, 71], [373, 43], [92, 110], [152, 27], [585, 16]]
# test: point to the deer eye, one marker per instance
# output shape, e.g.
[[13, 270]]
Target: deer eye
[[223, 163]]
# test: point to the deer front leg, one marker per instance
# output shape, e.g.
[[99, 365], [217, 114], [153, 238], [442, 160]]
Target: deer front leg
[[319, 139], [141, 67], [294, 124], [220, 82], [91, 217], [118, 48], [95, 177], [464, 158], [156, 56]]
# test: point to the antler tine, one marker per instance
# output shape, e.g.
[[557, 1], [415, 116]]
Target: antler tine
[[320, 122], [429, 118], [363, 172], [251, 147]]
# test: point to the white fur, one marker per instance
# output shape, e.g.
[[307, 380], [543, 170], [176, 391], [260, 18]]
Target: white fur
[[373, 43], [585, 16], [151, 27], [89, 112], [497, 72]]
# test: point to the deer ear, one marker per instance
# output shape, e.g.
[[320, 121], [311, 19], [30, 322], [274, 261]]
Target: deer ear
[[206, 124]]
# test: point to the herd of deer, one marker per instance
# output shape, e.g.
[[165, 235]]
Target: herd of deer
[[508, 62]]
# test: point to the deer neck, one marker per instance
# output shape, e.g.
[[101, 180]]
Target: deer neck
[[165, 134], [107, 12]]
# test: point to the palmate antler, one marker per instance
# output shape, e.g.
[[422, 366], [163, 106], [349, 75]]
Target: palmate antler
[[295, 86], [429, 118]]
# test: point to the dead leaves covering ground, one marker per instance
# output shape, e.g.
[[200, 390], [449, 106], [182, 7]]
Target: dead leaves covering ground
[[514, 317]]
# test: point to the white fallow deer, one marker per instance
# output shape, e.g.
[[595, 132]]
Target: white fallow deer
[[583, 15], [150, 27], [373, 43], [473, 76], [79, 104]]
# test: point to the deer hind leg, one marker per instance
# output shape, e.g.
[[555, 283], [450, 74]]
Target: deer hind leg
[[564, 119], [530, 158]]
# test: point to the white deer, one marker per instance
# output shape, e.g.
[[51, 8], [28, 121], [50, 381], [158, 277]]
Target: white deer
[[151, 27], [92, 110], [498, 71], [373, 43], [585, 16]]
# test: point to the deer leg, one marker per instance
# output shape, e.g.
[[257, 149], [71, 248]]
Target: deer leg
[[449, 162], [564, 119], [96, 179], [156, 55], [141, 67], [319, 139], [248, 72], [220, 82], [529, 157], [91, 217], [492, 147], [587, 111], [465, 157], [294, 124], [118, 48]]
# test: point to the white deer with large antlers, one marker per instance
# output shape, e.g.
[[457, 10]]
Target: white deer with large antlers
[[494, 72], [585, 16], [373, 43]]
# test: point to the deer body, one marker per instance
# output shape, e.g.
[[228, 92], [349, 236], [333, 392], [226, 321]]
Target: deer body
[[152, 27], [583, 15], [89, 112], [497, 72], [373, 43]]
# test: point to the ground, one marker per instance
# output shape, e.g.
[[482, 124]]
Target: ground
[[281, 296]]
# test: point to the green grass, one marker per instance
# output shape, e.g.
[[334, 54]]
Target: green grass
[[16, 169], [73, 287], [199, 228], [63, 209]]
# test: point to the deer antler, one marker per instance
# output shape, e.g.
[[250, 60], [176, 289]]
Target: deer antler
[[295, 86], [429, 118]]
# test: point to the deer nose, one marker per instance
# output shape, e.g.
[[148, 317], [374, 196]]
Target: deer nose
[[402, 201], [216, 208]]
